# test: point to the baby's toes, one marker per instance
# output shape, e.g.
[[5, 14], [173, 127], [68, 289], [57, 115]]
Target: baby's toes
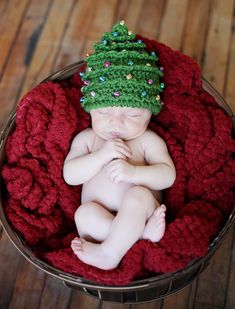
[[163, 207], [76, 240], [159, 213], [76, 244]]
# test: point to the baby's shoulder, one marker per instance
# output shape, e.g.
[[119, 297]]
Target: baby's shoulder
[[87, 135], [150, 136]]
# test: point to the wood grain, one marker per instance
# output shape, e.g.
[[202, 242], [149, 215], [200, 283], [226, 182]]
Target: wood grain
[[195, 30], [10, 23], [19, 56], [218, 41], [173, 21]]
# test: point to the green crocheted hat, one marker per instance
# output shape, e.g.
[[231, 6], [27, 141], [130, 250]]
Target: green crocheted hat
[[121, 73]]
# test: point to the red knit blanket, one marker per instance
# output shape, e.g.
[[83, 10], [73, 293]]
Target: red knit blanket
[[40, 205]]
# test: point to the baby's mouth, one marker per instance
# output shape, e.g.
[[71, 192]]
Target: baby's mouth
[[115, 134]]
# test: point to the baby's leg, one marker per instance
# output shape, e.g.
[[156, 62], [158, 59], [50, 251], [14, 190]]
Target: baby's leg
[[93, 221], [128, 226]]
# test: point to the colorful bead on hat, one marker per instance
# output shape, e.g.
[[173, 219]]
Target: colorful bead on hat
[[122, 73]]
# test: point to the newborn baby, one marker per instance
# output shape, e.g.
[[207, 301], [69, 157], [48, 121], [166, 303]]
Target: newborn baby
[[122, 165]]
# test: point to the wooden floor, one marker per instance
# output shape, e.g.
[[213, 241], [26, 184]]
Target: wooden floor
[[38, 37]]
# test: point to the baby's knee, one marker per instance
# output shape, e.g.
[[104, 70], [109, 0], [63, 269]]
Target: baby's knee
[[83, 214], [139, 195]]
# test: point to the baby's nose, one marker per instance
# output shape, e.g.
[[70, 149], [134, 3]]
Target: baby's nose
[[118, 120]]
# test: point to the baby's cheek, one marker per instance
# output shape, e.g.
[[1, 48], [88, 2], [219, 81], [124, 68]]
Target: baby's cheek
[[136, 128]]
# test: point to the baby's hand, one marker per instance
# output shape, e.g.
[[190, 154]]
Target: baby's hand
[[115, 149], [120, 170]]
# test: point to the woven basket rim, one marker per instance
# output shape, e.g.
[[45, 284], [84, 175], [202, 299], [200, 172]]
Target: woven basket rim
[[197, 264]]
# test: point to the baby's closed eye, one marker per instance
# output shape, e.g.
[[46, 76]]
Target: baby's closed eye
[[134, 115]]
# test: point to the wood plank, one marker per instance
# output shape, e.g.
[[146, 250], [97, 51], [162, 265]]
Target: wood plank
[[10, 260], [157, 304], [212, 284], [102, 21], [181, 299], [129, 11], [173, 20], [48, 44], [17, 65], [75, 35], [230, 78], [196, 29], [80, 300], [148, 24], [91, 24], [28, 286], [12, 14], [216, 50], [109, 305], [54, 294], [230, 295]]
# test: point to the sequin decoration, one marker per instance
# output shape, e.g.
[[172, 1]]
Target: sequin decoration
[[150, 81], [129, 76], [93, 94], [86, 82], [102, 79], [107, 64], [114, 33], [117, 94]]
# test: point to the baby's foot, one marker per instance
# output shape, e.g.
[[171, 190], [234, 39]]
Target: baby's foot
[[155, 227], [94, 254]]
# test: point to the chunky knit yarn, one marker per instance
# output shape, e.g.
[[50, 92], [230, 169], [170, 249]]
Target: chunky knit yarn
[[122, 73], [40, 206]]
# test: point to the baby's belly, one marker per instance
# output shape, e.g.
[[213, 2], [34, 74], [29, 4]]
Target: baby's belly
[[102, 190]]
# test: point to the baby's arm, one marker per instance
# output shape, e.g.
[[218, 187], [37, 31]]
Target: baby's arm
[[160, 172], [80, 165]]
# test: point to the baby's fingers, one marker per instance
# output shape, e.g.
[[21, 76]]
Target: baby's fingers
[[125, 151], [122, 144], [115, 176], [111, 167]]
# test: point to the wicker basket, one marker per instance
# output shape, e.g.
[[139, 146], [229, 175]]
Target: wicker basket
[[137, 291]]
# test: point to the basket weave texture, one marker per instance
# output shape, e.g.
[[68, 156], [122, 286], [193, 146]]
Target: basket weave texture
[[40, 206]]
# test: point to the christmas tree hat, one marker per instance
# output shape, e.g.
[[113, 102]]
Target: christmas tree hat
[[121, 73]]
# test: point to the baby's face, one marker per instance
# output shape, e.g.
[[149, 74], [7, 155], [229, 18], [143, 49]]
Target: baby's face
[[120, 122]]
